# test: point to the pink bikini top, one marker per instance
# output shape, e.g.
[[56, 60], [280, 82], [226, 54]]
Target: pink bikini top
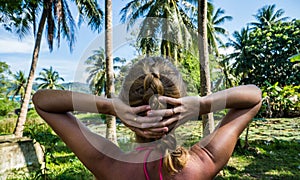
[[150, 149]]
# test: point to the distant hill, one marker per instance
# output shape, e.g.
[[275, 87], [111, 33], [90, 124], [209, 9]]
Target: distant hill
[[77, 86], [72, 86]]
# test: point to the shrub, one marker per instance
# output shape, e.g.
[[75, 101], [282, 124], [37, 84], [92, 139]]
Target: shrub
[[32, 114], [280, 102], [7, 125], [6, 106]]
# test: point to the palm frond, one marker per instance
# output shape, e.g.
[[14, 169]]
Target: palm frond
[[68, 26], [127, 10], [90, 10]]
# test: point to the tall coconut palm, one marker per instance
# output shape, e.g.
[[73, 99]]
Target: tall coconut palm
[[241, 56], [214, 30], [15, 18], [166, 26], [215, 18], [18, 85], [266, 16], [110, 87], [49, 79], [56, 16], [97, 71], [205, 86]]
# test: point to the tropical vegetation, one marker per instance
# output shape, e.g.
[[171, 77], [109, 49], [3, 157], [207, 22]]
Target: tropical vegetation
[[265, 53], [20, 17], [262, 56], [18, 85], [96, 67], [49, 79]]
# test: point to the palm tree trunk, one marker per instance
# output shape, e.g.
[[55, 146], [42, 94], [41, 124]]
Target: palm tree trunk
[[228, 82], [207, 119], [175, 55], [110, 89], [24, 107]]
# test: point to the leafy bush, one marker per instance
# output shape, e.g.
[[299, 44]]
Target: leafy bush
[[32, 114], [262, 54], [7, 125], [43, 134], [6, 106], [280, 102]]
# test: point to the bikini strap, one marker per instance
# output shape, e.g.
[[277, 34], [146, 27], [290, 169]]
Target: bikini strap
[[160, 168], [150, 149]]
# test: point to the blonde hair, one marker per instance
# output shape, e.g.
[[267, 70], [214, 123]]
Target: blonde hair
[[148, 79]]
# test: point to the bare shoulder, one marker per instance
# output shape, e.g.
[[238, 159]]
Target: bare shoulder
[[200, 164]]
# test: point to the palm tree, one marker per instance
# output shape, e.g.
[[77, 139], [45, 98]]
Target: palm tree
[[110, 87], [214, 30], [57, 18], [266, 16], [241, 56], [18, 85], [214, 21], [166, 25], [205, 86], [4, 72], [50, 79], [14, 18], [97, 71]]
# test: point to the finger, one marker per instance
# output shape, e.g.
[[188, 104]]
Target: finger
[[170, 100], [164, 112], [161, 124], [152, 125], [146, 119], [153, 134], [143, 122], [160, 112], [148, 134], [143, 119], [139, 109], [172, 120], [159, 130]]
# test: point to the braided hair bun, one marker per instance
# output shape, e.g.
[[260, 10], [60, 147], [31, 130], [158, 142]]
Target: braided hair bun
[[148, 79]]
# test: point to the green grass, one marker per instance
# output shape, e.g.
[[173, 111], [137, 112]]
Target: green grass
[[274, 151]]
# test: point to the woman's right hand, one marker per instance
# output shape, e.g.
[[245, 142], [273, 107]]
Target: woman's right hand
[[145, 126], [185, 108]]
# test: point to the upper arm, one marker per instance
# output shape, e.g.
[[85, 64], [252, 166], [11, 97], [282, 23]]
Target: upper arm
[[220, 144], [89, 147]]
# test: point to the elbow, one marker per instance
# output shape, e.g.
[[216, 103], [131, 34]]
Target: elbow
[[37, 98], [256, 92]]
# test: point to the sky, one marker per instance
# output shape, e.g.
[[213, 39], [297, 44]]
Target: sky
[[18, 54]]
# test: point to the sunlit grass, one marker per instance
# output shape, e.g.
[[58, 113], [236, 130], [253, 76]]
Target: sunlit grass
[[274, 151]]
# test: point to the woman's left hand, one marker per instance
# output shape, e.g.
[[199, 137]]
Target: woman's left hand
[[185, 108], [146, 126]]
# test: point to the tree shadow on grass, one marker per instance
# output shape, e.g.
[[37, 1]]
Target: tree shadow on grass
[[276, 159]]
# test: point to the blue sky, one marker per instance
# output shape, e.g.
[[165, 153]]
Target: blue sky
[[69, 65]]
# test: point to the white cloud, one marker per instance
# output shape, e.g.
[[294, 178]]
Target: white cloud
[[67, 69], [11, 44]]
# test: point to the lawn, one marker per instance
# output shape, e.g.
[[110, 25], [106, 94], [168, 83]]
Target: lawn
[[274, 151]]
